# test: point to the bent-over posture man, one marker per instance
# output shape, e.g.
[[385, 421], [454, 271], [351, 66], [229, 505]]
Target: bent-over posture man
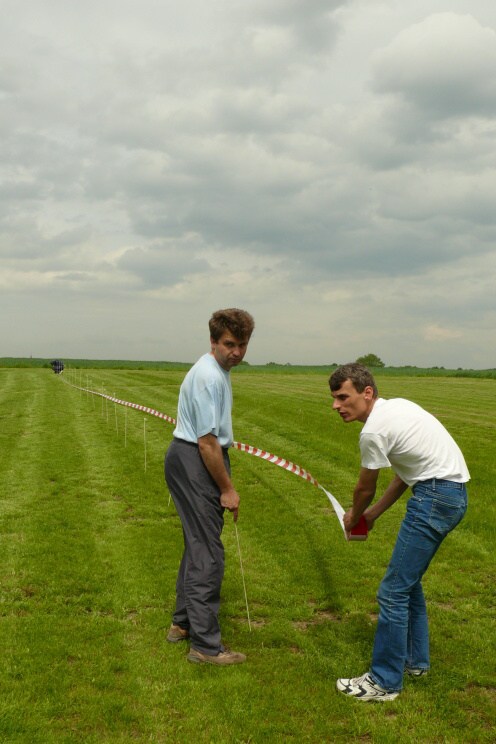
[[197, 472], [400, 434]]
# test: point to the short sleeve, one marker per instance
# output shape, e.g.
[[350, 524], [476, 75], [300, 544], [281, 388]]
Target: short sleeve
[[206, 411], [373, 452]]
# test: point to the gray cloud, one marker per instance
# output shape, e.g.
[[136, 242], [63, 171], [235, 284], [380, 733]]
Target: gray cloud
[[161, 266], [443, 65], [311, 25], [333, 156]]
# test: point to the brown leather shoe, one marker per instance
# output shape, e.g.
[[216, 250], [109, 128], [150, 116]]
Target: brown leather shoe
[[176, 634], [223, 658]]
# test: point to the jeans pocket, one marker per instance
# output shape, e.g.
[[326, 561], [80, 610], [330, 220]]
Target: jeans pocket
[[445, 514]]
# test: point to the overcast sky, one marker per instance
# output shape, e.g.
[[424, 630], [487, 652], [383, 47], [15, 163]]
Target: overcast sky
[[328, 165]]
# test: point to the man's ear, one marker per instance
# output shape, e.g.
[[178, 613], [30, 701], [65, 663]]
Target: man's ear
[[368, 392]]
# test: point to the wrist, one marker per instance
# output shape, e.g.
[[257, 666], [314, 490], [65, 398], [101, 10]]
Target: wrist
[[355, 515], [371, 513]]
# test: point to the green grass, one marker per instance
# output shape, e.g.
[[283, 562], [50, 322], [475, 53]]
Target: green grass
[[90, 549]]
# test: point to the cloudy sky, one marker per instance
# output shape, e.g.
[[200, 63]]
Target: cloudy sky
[[329, 165]]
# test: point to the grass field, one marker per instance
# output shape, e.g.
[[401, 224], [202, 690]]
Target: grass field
[[91, 545]]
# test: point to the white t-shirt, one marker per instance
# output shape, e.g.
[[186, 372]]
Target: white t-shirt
[[205, 403], [401, 435]]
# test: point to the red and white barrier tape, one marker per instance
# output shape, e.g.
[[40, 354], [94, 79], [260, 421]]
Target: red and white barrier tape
[[292, 468], [255, 451]]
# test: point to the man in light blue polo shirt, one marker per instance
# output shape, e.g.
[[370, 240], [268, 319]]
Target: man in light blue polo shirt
[[197, 472]]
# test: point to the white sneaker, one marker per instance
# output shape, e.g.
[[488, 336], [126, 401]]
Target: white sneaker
[[364, 688]]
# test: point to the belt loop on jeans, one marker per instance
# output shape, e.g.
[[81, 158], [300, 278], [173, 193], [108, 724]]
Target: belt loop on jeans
[[432, 482]]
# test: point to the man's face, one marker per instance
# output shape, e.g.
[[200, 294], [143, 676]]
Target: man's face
[[352, 405], [229, 351]]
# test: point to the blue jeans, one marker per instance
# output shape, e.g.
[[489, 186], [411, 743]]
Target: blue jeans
[[402, 635]]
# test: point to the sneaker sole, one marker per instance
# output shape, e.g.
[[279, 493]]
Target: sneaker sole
[[365, 699]]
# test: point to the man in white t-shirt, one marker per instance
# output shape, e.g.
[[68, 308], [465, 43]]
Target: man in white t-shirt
[[197, 472], [400, 434]]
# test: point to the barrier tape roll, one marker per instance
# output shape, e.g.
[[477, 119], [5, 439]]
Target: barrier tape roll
[[249, 449]]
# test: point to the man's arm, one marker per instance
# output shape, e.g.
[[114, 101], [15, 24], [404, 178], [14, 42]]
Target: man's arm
[[362, 496], [396, 488], [211, 454]]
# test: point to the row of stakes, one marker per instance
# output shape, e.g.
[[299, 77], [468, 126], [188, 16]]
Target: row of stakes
[[77, 381]]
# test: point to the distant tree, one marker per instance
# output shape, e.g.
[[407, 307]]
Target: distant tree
[[370, 360]]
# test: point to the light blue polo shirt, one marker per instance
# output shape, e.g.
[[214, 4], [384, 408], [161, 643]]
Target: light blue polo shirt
[[205, 403]]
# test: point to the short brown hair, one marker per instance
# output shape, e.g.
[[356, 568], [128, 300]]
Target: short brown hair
[[357, 374], [238, 322]]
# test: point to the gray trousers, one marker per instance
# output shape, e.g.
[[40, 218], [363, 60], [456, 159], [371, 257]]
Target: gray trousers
[[197, 500]]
